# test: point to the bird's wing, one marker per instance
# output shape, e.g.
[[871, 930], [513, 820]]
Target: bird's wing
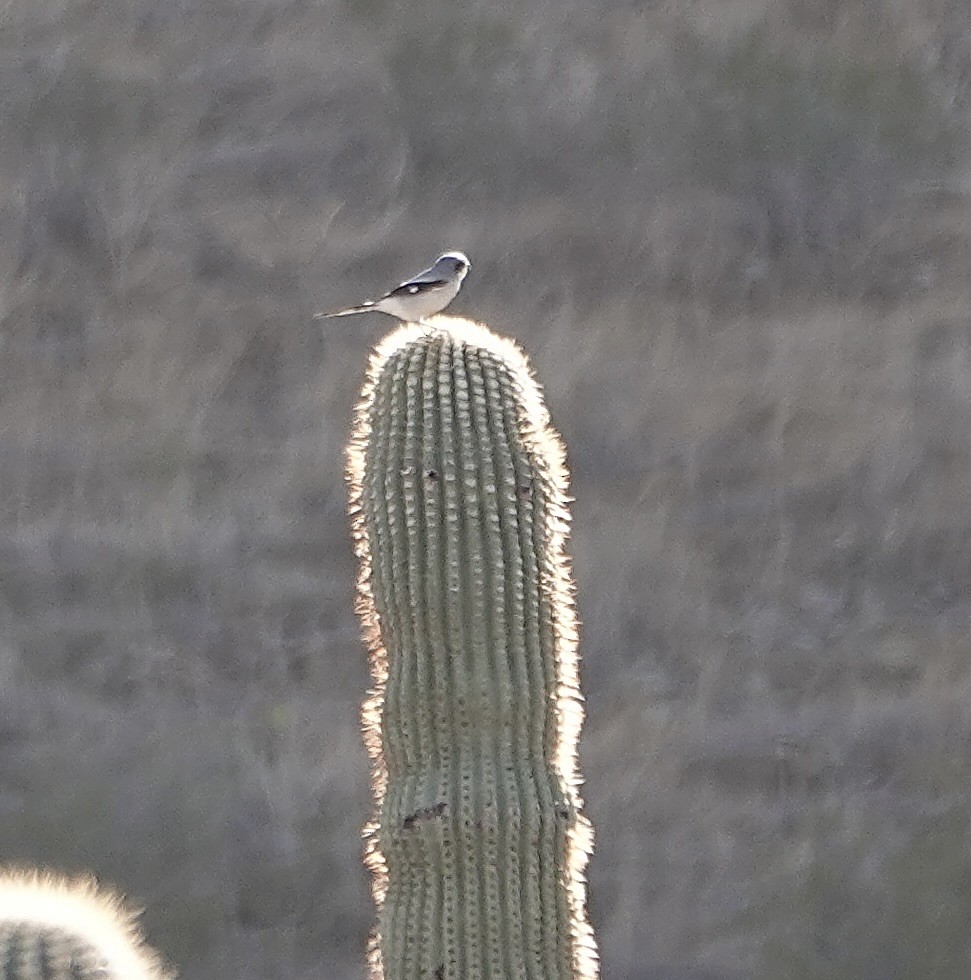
[[417, 287]]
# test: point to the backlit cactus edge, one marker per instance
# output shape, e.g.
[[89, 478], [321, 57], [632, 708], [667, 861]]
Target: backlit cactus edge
[[459, 500], [55, 928], [478, 847]]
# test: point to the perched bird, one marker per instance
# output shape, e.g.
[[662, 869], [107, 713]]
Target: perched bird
[[422, 296]]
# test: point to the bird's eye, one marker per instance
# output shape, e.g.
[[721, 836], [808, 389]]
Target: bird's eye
[[459, 264]]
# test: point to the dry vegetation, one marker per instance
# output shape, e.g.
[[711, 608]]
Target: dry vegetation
[[735, 239]]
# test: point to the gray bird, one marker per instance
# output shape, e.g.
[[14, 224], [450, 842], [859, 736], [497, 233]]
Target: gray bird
[[422, 296]]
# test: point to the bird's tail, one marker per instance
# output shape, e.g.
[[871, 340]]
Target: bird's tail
[[363, 308]]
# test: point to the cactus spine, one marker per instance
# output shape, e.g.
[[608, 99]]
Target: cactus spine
[[54, 928], [458, 491]]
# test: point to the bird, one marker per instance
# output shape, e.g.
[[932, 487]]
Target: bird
[[421, 296]]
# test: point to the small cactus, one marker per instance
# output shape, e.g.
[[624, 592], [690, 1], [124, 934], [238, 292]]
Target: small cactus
[[55, 928], [458, 493]]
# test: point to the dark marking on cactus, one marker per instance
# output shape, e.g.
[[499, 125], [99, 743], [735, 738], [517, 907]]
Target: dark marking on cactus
[[427, 813]]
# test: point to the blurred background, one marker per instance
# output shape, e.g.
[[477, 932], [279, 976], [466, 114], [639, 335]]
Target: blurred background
[[734, 237]]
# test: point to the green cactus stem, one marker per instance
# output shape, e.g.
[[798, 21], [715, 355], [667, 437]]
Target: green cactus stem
[[458, 493], [55, 928]]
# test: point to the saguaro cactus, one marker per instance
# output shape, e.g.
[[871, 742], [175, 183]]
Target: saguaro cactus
[[458, 491], [54, 928]]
